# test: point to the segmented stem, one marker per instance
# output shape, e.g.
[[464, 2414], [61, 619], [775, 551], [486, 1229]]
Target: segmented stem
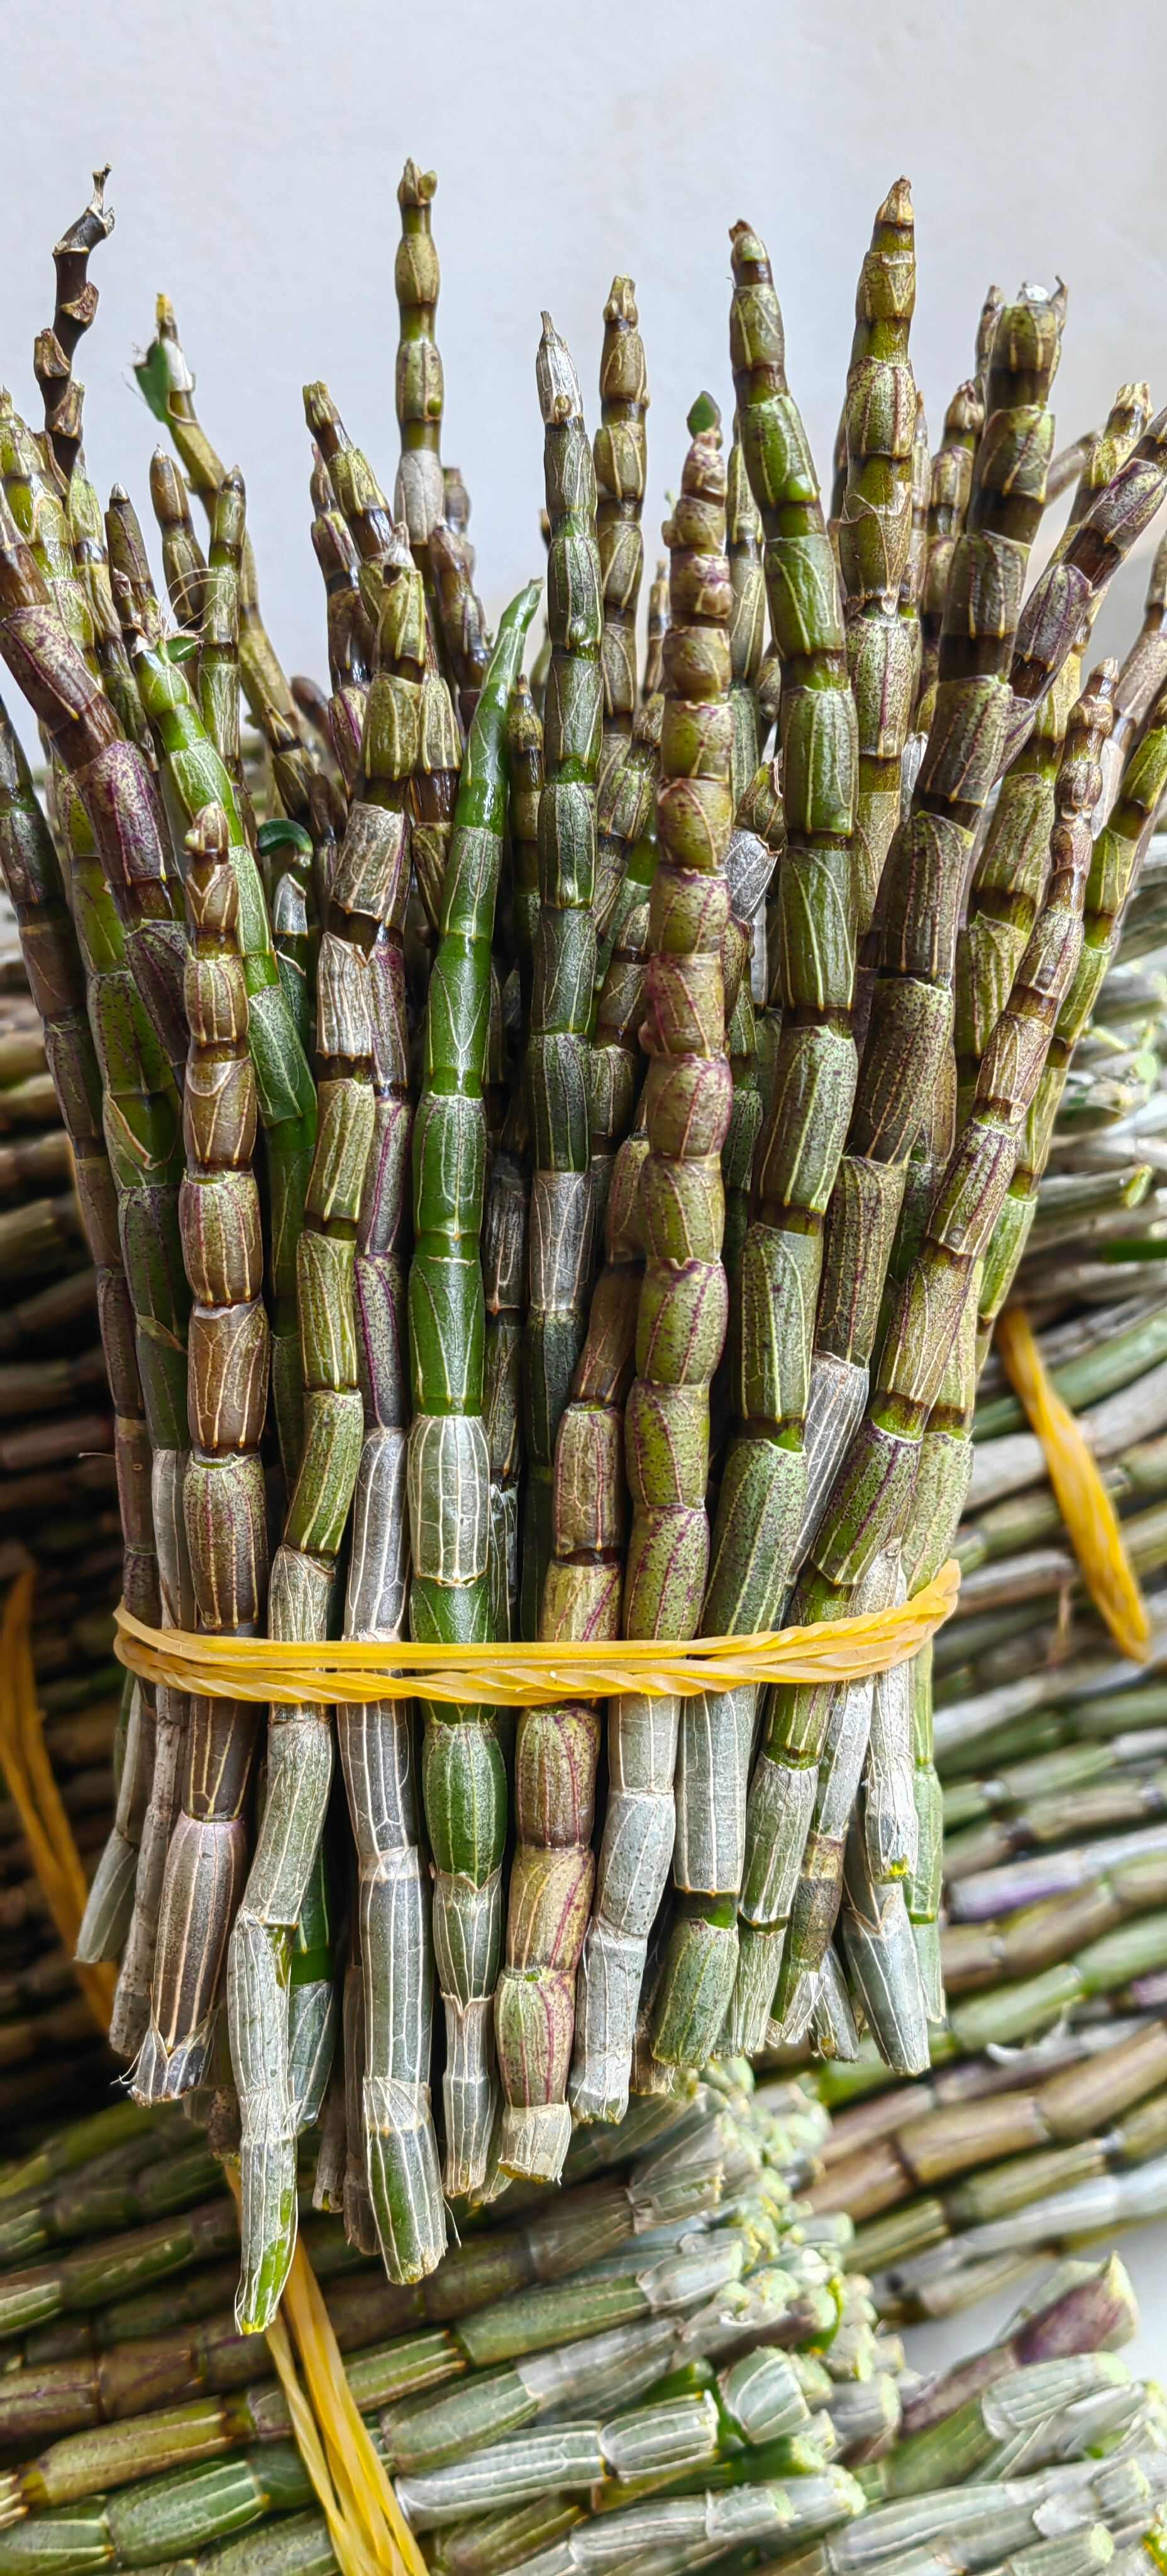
[[621, 462], [683, 1302], [561, 1230]]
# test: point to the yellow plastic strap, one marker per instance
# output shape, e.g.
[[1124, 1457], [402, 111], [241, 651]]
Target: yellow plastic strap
[[253, 1668], [368, 2532], [1092, 1524], [36, 1797], [366, 2526]]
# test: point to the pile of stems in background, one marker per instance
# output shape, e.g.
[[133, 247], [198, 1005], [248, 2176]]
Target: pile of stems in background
[[673, 2359]]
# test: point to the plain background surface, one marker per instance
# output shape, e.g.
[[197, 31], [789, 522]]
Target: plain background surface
[[256, 151]]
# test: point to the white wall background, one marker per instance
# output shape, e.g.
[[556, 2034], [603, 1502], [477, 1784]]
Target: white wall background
[[256, 150]]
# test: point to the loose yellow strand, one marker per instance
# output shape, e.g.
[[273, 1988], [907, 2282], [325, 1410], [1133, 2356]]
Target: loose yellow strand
[[536, 1676], [35, 1795], [1092, 1524]]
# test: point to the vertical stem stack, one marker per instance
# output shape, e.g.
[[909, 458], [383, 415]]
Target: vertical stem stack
[[621, 463], [875, 531], [392, 2147], [560, 1237], [420, 495], [463, 1775], [300, 1740], [681, 1322], [224, 1503]]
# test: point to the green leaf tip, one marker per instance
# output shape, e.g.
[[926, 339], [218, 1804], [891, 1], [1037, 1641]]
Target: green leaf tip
[[704, 415], [281, 834], [153, 381]]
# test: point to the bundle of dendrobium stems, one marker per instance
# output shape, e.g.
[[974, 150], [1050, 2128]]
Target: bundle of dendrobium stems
[[672, 2363], [552, 1158]]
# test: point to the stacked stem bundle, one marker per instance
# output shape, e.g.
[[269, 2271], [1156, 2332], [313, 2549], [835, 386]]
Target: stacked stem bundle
[[550, 1172]]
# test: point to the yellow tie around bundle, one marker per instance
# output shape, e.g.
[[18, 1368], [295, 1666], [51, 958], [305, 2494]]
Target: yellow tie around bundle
[[536, 1676]]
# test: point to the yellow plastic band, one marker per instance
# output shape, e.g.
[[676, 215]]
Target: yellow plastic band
[[36, 1797], [366, 2526], [367, 2529], [1092, 1524], [254, 1668]]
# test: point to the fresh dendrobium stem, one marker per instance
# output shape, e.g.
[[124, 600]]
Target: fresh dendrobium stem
[[745, 1127], [1011, 867], [434, 790], [878, 1480], [688, 2426], [931, 2149], [303, 1574], [682, 1311], [192, 776], [391, 746], [912, 1001], [358, 495], [504, 1273], [811, 936], [951, 485], [988, 319], [184, 564], [219, 628], [106, 794], [561, 1230], [1141, 677], [621, 463], [54, 351], [912, 585], [394, 2147], [420, 494], [123, 907], [1068, 593], [1112, 868], [314, 2007], [56, 347], [1007, 885], [461, 615], [747, 635], [504, 1227], [941, 1486], [131, 578], [658, 620], [616, 1059], [525, 767], [168, 385], [761, 815], [1106, 451], [351, 642], [875, 531], [665, 2534], [224, 1504], [556, 1748], [55, 968], [448, 1466], [625, 823], [87, 531], [292, 856]]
